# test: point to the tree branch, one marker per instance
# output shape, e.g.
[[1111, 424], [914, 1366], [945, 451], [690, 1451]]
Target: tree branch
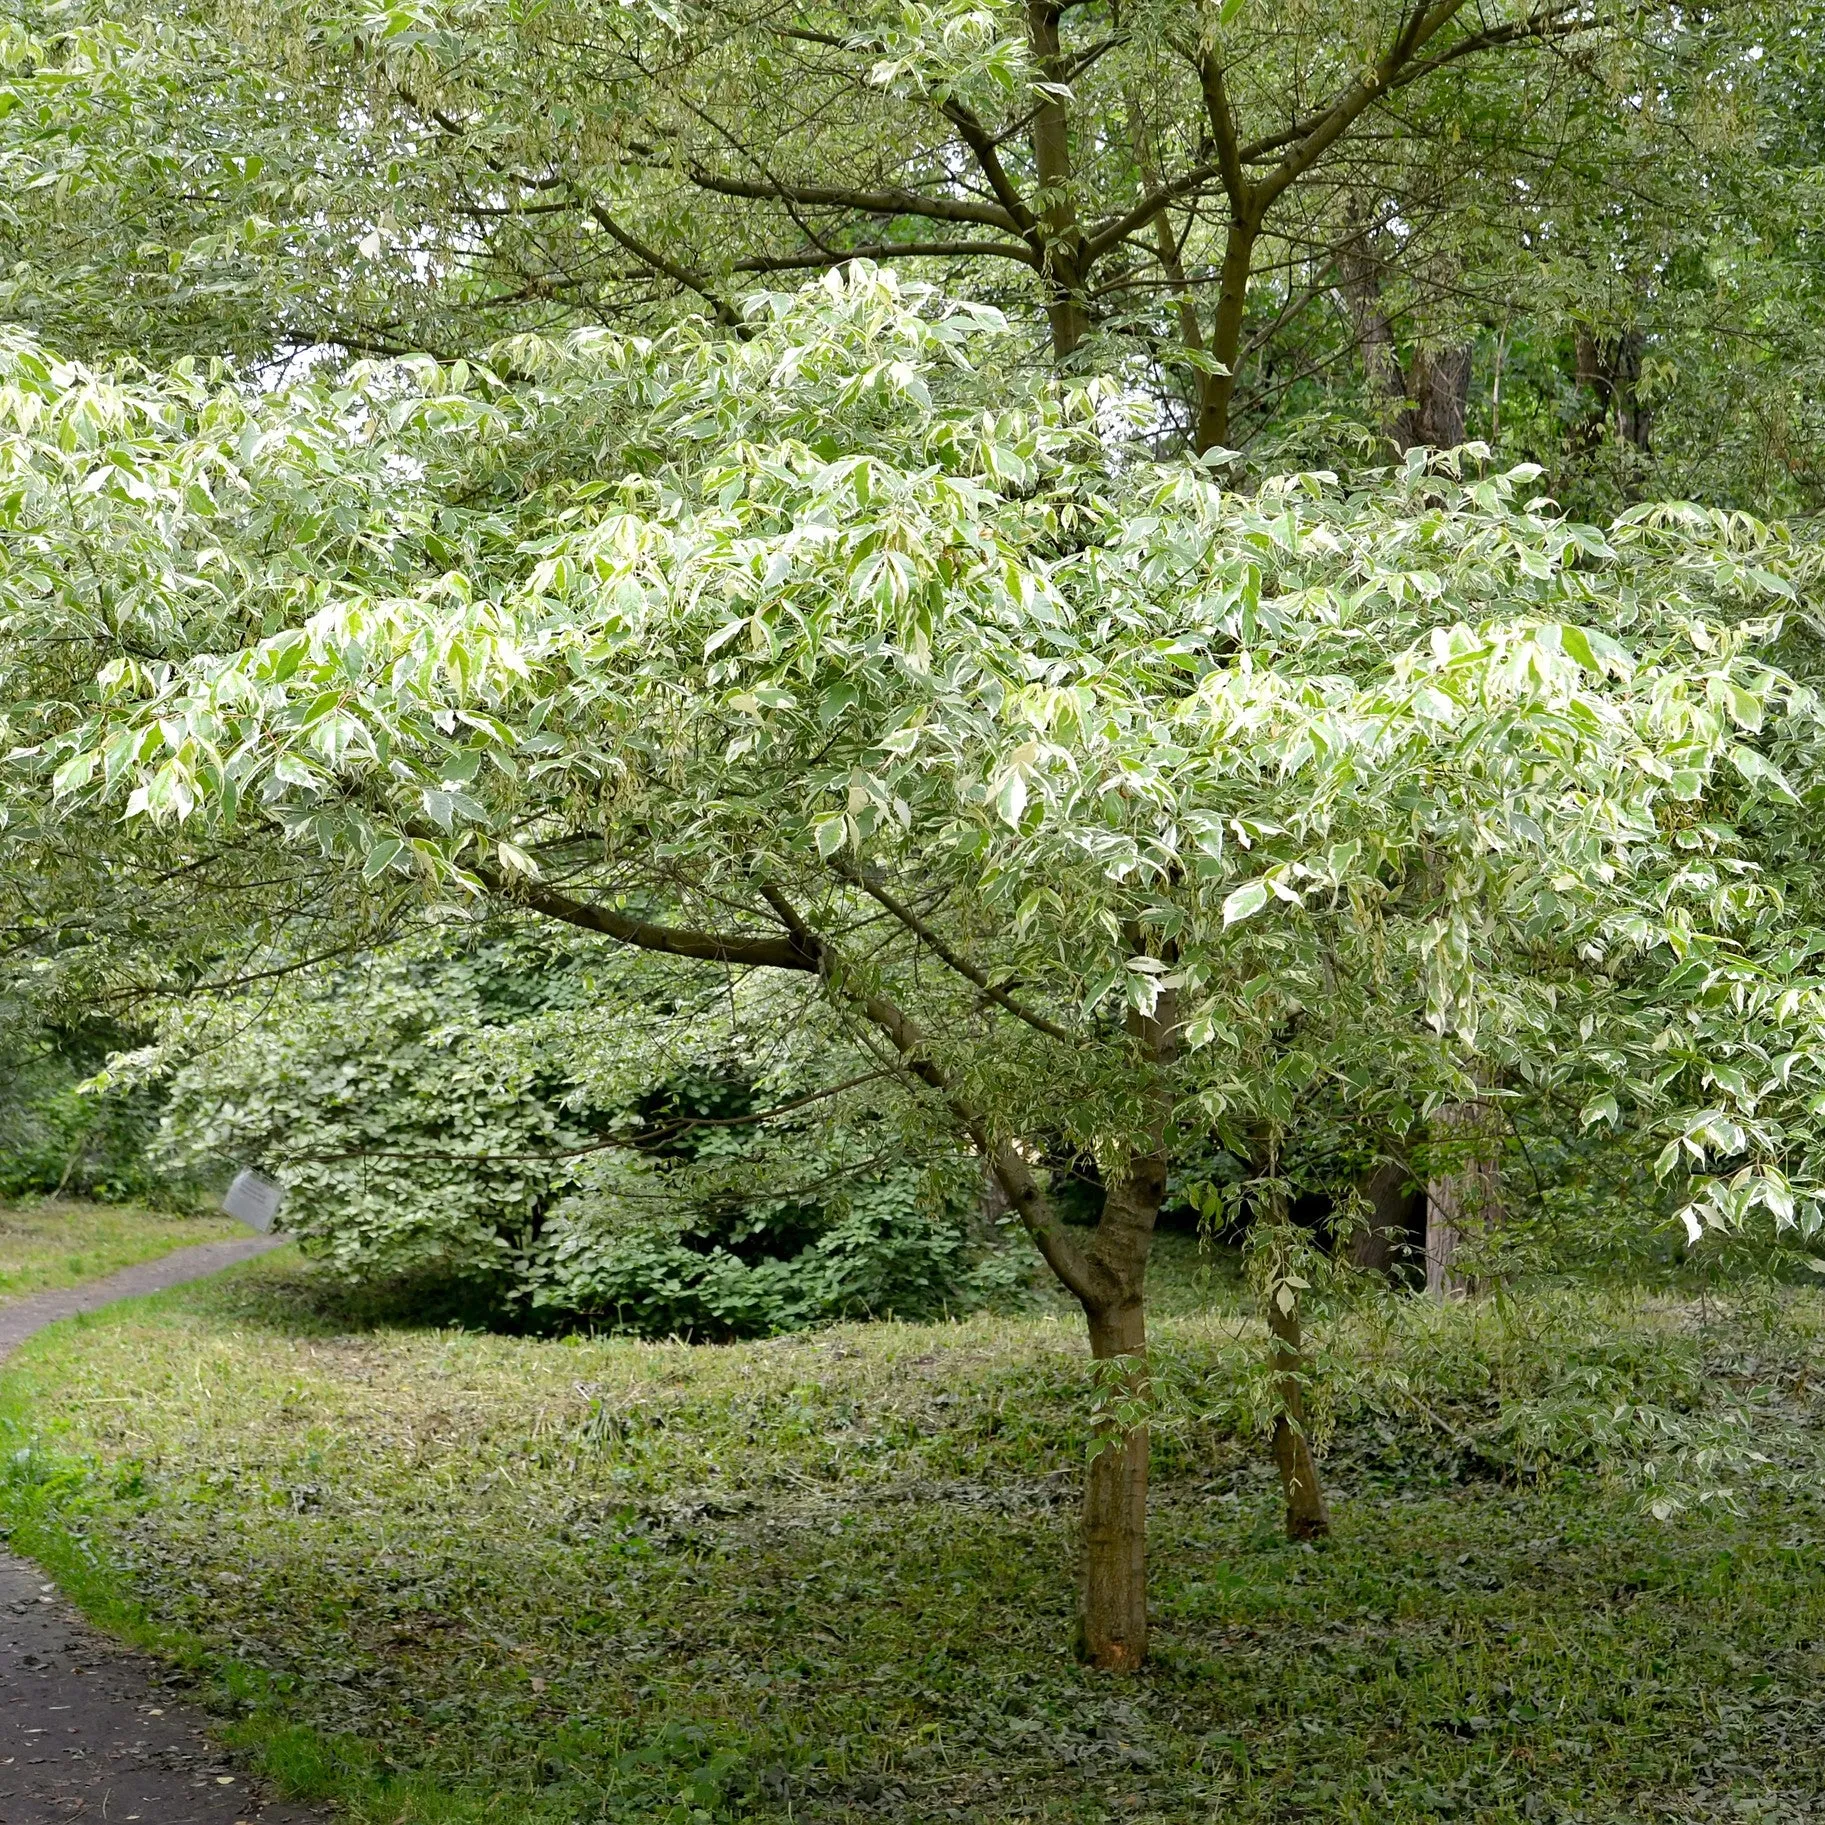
[[746, 949], [865, 202], [1555, 22], [888, 250], [1424, 24], [962, 965], [982, 145], [1087, 1279], [1222, 118], [726, 314]]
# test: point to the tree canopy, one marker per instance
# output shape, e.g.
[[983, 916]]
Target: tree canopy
[[1102, 802]]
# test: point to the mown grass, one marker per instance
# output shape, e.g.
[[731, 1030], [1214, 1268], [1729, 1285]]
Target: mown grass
[[442, 1576], [55, 1244]]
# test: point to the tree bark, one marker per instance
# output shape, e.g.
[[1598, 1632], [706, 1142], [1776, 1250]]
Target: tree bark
[[1113, 1619], [1385, 1241], [1609, 367], [1462, 1200], [1359, 282], [1426, 401], [1057, 208], [1308, 1516], [1112, 1624], [1440, 383], [1226, 335]]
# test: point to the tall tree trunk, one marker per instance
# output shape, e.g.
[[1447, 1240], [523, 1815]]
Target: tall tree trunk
[[1464, 1198], [1359, 282], [1114, 1614], [1065, 314]]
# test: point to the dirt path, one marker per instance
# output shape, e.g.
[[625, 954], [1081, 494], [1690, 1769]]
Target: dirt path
[[89, 1730]]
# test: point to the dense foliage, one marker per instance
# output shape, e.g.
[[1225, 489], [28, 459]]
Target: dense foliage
[[561, 1135], [1589, 238], [1419, 740], [1049, 789]]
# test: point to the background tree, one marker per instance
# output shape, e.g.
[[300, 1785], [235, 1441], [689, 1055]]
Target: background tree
[[539, 1133], [1581, 237]]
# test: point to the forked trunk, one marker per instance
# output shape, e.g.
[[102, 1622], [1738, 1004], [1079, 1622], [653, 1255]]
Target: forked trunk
[[1114, 1615], [1307, 1515]]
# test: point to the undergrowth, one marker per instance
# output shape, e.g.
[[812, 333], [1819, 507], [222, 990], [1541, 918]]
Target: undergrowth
[[445, 1576]]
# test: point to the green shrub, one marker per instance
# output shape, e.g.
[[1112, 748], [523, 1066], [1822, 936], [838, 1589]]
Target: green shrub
[[578, 1137]]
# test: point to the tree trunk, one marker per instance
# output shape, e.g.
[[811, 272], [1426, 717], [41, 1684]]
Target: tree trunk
[[1113, 1622], [1465, 1198], [1359, 281], [1427, 400], [1307, 1515], [1226, 336], [1067, 320], [1610, 368], [1066, 310], [1385, 1242], [1440, 382], [1112, 1627]]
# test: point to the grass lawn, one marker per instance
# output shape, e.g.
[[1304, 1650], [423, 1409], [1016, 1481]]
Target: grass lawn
[[438, 1575], [48, 1245]]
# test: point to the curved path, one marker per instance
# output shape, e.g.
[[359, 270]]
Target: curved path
[[88, 1729]]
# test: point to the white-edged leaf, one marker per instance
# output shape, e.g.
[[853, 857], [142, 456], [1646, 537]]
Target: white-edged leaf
[[1245, 902]]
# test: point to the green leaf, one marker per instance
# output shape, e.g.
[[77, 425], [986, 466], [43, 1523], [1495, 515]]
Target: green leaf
[[381, 857], [1759, 771]]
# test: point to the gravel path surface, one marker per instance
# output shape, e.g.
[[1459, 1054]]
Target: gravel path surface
[[88, 1729]]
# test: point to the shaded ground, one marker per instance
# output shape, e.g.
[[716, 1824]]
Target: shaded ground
[[87, 1729], [446, 1576]]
